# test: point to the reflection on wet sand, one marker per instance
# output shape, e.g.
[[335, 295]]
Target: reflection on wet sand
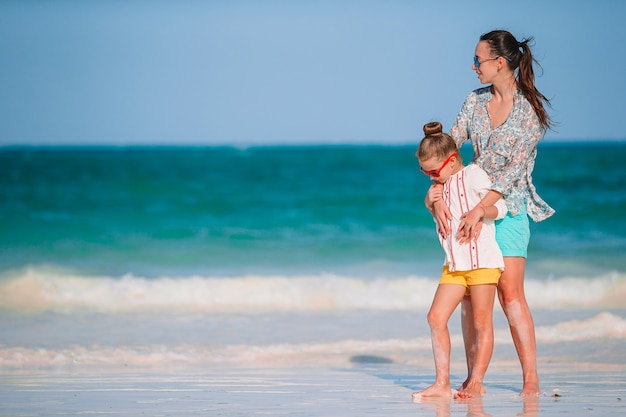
[[442, 407]]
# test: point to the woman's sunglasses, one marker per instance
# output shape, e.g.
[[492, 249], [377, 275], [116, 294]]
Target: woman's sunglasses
[[477, 62]]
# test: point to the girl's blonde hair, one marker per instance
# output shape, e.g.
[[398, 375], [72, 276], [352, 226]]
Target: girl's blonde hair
[[436, 143]]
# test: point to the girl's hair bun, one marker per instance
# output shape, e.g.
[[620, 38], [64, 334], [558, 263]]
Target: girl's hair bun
[[433, 128]]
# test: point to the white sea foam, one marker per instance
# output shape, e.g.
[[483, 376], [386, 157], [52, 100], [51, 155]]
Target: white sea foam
[[602, 326], [38, 289]]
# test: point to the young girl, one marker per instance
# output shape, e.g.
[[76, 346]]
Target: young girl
[[472, 267]]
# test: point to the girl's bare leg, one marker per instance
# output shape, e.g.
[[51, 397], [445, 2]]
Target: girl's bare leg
[[469, 335], [446, 300], [482, 299]]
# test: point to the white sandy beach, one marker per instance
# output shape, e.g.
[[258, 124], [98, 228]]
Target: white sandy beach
[[307, 365], [336, 363], [363, 388]]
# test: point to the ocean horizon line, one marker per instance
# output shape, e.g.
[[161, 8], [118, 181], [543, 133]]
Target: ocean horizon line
[[278, 144]]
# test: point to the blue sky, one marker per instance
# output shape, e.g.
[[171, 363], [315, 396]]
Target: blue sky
[[273, 72]]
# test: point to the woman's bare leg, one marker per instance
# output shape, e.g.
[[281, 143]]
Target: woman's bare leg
[[513, 302]]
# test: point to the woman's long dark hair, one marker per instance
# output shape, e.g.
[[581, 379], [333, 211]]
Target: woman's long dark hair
[[504, 44]]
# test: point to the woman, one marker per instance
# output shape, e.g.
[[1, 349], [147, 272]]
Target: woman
[[504, 123]]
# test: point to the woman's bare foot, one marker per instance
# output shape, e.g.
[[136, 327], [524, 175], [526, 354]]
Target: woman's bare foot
[[471, 390], [530, 389], [434, 391]]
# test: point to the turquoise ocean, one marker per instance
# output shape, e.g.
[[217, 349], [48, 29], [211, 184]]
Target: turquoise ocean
[[163, 256]]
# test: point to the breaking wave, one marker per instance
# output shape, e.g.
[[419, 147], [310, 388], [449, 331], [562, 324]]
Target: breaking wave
[[47, 289]]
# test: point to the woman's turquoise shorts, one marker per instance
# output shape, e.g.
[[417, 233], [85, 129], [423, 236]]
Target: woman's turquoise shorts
[[513, 234]]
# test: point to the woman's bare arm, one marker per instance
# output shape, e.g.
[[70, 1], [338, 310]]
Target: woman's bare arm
[[472, 221]]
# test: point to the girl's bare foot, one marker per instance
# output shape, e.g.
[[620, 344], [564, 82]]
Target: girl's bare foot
[[471, 390], [464, 384], [434, 391]]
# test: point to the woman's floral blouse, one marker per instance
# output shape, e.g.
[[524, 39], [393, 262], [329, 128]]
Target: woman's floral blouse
[[507, 153]]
